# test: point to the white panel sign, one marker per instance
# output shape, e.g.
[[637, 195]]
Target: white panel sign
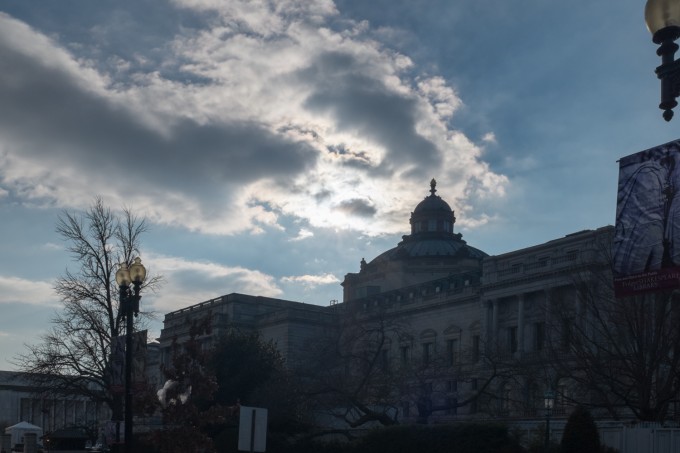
[[252, 429]]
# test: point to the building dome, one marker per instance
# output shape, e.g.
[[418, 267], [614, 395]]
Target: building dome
[[432, 235], [433, 202], [432, 252]]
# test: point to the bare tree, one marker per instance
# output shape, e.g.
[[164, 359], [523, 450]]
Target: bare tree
[[75, 355], [348, 374], [623, 353], [187, 398], [363, 372]]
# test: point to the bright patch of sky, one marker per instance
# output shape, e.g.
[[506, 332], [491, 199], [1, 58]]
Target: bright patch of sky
[[273, 145]]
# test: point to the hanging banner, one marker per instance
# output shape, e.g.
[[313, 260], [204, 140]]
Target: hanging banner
[[117, 365], [646, 249], [139, 360]]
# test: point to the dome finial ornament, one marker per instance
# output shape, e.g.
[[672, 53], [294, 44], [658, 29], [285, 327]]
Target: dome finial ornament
[[433, 184]]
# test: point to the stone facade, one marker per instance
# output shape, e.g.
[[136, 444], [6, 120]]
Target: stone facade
[[289, 324], [456, 305], [21, 401]]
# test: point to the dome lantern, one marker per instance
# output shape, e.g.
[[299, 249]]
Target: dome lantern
[[432, 215]]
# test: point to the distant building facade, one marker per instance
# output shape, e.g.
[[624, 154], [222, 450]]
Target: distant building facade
[[22, 401]]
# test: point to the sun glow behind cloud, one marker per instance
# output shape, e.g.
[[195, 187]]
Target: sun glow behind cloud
[[182, 279], [283, 110]]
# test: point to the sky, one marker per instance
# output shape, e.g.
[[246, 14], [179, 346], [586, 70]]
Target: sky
[[271, 145]]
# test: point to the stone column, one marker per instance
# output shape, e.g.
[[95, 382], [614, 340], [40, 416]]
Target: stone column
[[494, 320], [520, 324], [487, 320]]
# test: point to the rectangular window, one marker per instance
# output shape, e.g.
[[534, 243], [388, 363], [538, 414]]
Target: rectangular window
[[452, 386], [427, 352], [473, 403], [566, 333], [452, 351], [404, 352], [539, 336], [25, 409]]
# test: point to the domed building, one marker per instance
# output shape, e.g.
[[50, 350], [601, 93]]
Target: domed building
[[454, 304], [436, 307], [431, 252]]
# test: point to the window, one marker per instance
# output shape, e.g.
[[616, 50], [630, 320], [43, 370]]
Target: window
[[562, 395], [572, 255], [512, 339], [475, 348], [566, 333], [427, 352], [405, 409], [432, 225], [539, 336], [404, 352], [473, 403], [25, 409], [452, 386], [452, 351]]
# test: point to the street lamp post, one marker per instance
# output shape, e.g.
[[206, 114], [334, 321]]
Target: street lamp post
[[129, 307], [549, 400], [663, 21]]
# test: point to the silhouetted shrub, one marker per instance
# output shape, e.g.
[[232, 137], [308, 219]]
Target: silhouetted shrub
[[580, 433], [458, 438]]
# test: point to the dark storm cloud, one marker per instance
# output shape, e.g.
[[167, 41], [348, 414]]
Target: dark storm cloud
[[360, 103], [49, 115], [322, 195], [113, 28], [357, 207]]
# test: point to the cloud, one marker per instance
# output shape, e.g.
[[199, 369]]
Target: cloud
[[256, 110], [356, 207], [24, 291], [188, 282], [312, 281], [303, 234], [489, 137], [51, 246]]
